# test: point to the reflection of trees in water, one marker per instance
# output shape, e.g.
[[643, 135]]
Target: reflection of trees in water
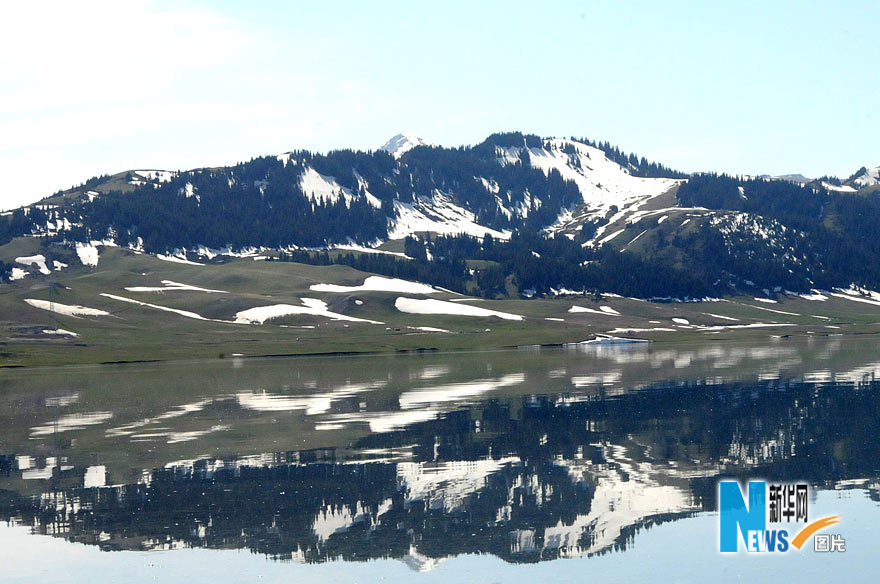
[[535, 479]]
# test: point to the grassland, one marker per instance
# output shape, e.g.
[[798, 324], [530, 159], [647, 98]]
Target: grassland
[[139, 333]]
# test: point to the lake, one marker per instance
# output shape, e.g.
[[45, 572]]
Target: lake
[[570, 463]]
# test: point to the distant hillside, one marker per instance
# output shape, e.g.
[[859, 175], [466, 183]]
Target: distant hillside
[[515, 214]]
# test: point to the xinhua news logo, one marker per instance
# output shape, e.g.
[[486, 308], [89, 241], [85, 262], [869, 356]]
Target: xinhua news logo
[[771, 518]]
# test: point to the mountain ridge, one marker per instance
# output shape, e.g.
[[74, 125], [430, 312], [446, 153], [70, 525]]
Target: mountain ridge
[[518, 189]]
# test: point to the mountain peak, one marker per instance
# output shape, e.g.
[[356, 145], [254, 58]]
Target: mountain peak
[[399, 144], [867, 177]]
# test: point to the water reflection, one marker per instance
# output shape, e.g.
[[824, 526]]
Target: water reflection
[[528, 459]]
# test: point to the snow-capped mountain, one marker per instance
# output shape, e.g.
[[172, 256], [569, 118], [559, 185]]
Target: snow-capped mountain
[[606, 187], [485, 193], [571, 198], [400, 144], [867, 177]]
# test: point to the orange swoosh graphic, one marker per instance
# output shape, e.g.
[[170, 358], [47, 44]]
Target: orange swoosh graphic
[[812, 528]]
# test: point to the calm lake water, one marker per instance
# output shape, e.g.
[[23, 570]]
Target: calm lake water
[[573, 463]]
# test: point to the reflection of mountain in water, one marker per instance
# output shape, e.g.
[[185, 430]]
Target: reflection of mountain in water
[[526, 480]]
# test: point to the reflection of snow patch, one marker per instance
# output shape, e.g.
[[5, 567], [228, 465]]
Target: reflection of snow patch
[[447, 485], [175, 412], [626, 492], [175, 437], [609, 378], [331, 520], [613, 341], [381, 421], [96, 476], [455, 392], [70, 422], [313, 404]]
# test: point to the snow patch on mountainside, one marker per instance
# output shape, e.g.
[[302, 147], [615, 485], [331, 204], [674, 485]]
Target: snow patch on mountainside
[[869, 178], [603, 183], [177, 260], [400, 144], [431, 306], [311, 306], [378, 284], [857, 294], [158, 176], [60, 332], [285, 158], [171, 286], [363, 249], [36, 260], [742, 231], [186, 313], [604, 310], [840, 189], [317, 187], [437, 214], [66, 309], [87, 253]]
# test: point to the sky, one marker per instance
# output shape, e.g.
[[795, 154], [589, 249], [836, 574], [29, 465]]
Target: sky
[[89, 88]]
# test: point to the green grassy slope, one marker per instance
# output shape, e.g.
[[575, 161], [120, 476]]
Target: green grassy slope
[[133, 332]]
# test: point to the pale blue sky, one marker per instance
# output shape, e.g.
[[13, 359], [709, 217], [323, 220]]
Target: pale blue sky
[[764, 87]]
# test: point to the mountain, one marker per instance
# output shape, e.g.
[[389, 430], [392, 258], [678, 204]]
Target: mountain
[[514, 214], [400, 144], [866, 177]]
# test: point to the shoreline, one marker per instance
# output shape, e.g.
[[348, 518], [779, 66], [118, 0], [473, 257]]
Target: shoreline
[[664, 341]]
